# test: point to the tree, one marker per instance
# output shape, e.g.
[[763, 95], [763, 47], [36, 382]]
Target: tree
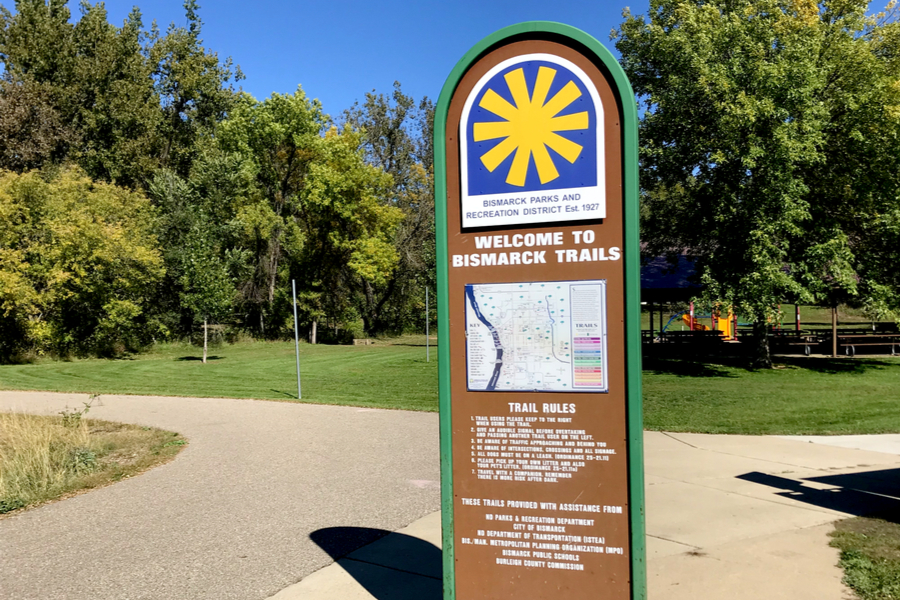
[[133, 101], [94, 76], [196, 231], [78, 260], [397, 138], [349, 228], [208, 289], [193, 87], [317, 211], [850, 241], [279, 140], [32, 131], [741, 111]]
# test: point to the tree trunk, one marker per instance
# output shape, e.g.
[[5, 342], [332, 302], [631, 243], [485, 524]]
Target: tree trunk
[[312, 333], [761, 357], [205, 337], [370, 317]]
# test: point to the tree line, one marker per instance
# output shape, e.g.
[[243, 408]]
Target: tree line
[[770, 149], [143, 193]]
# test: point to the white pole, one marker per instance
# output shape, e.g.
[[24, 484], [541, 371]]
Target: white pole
[[296, 336], [427, 346]]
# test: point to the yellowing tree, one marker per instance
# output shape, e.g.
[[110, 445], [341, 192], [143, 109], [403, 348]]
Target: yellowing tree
[[77, 261]]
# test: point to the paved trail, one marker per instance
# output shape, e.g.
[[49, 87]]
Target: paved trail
[[231, 517], [736, 517]]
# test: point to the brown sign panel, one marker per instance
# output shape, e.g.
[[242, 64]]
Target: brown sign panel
[[537, 329]]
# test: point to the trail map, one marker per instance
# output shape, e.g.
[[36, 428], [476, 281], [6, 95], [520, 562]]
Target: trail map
[[543, 336]]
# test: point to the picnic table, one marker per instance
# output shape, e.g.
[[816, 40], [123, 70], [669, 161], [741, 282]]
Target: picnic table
[[788, 338], [850, 341]]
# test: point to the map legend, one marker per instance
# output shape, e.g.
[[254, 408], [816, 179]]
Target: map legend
[[587, 363]]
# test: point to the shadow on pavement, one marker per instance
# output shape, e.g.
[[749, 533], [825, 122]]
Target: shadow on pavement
[[390, 566], [866, 494]]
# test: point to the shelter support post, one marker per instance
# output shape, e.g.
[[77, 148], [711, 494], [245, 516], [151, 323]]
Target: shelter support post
[[834, 324]]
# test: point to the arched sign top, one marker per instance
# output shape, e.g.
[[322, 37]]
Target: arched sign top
[[543, 30], [536, 200], [532, 126]]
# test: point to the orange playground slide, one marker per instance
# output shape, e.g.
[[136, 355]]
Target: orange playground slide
[[723, 324]]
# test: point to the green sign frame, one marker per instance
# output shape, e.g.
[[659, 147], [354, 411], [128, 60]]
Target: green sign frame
[[592, 48]]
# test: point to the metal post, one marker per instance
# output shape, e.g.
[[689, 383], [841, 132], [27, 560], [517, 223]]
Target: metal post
[[662, 318], [296, 336], [797, 315], [427, 315], [834, 324]]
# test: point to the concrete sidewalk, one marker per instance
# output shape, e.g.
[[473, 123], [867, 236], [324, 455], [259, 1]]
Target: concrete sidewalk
[[734, 517], [268, 494]]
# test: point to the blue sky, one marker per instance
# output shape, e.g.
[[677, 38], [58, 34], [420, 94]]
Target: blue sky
[[339, 50]]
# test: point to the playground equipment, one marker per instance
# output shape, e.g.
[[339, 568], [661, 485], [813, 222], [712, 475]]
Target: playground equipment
[[725, 325]]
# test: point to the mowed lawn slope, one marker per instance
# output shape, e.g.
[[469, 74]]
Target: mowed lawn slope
[[803, 396], [813, 395], [384, 376]]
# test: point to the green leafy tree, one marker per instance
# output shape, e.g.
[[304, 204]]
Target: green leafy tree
[[36, 40], [744, 104], [208, 289], [193, 87], [133, 100], [198, 233], [850, 241], [349, 229], [279, 139], [317, 211], [397, 138], [96, 78]]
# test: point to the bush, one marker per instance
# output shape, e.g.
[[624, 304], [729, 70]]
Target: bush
[[77, 262]]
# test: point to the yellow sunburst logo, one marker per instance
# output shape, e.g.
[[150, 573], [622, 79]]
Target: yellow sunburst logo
[[530, 127]]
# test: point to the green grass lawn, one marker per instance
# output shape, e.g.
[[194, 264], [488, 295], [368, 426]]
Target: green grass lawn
[[804, 396], [870, 556], [386, 376]]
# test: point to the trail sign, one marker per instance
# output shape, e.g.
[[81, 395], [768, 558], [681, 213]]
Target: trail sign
[[539, 353]]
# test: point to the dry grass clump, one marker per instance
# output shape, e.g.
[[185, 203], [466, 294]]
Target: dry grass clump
[[46, 457]]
